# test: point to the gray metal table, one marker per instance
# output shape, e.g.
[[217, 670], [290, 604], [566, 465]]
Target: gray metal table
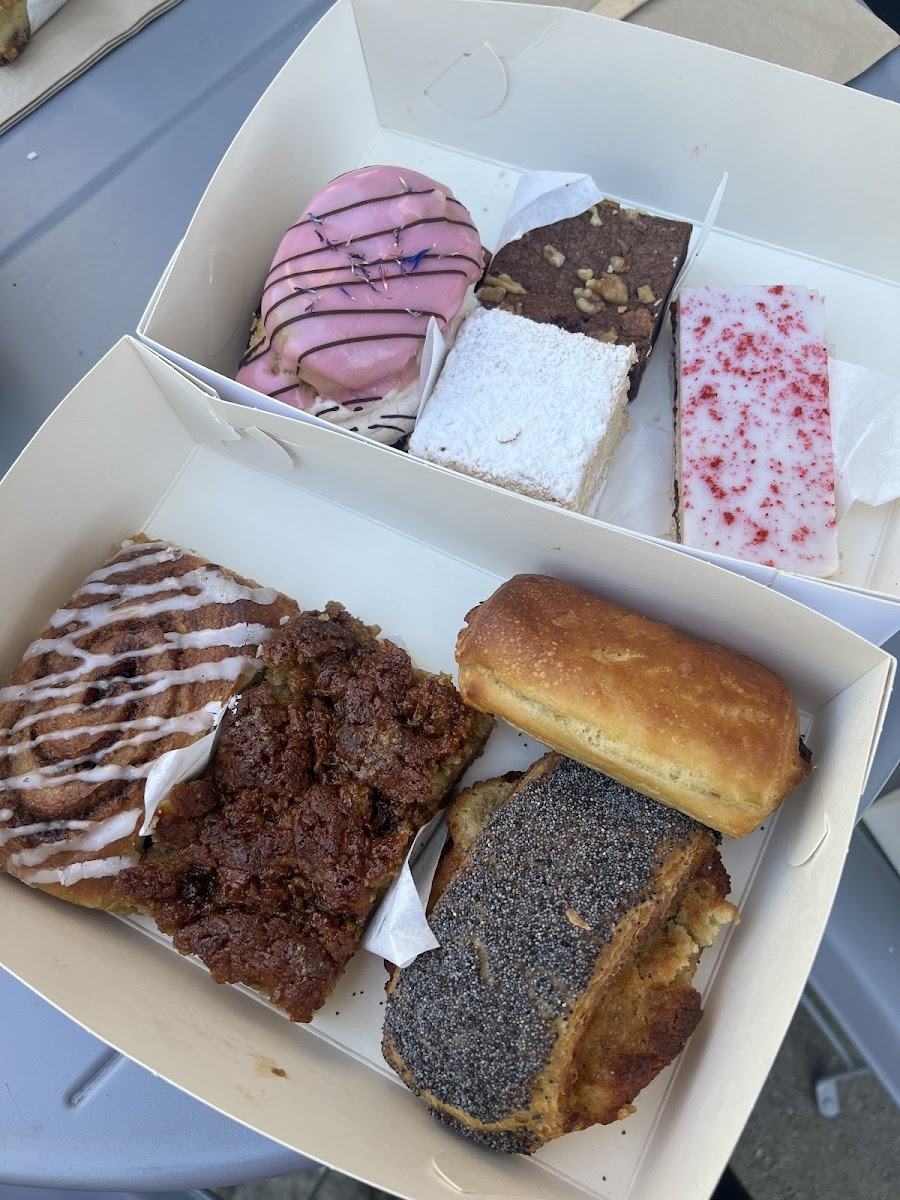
[[86, 229]]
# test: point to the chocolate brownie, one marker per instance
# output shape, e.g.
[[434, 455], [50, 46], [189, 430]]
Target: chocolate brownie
[[606, 273]]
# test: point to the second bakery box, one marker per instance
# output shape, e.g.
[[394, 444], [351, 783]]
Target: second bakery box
[[138, 446], [476, 93]]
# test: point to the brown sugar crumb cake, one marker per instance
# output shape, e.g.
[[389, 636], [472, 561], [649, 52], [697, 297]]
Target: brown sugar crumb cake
[[268, 866], [571, 912], [606, 273]]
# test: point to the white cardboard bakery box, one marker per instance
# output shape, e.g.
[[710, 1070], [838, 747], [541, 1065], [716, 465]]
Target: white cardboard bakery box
[[476, 92], [139, 446]]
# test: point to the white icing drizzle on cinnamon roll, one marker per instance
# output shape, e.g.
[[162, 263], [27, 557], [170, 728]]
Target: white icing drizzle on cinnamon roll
[[117, 600], [212, 588], [91, 868], [20, 831], [147, 729], [59, 684], [92, 835], [96, 835]]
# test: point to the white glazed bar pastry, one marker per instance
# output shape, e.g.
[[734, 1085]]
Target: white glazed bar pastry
[[754, 460]]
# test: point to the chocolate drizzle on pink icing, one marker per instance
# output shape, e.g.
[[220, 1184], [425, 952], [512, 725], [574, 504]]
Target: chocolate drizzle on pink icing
[[350, 325], [365, 237]]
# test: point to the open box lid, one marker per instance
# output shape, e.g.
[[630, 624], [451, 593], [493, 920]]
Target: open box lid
[[139, 445], [475, 86]]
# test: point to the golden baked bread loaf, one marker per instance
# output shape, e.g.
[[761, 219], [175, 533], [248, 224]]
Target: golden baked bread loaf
[[690, 723], [570, 912], [140, 661]]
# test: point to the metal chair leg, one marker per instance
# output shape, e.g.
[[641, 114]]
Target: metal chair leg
[[828, 1099]]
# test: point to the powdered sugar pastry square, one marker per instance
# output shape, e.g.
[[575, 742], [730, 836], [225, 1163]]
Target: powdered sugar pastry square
[[529, 407]]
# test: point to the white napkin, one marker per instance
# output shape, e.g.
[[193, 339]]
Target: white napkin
[[40, 11], [543, 197], [865, 432], [178, 766], [398, 930]]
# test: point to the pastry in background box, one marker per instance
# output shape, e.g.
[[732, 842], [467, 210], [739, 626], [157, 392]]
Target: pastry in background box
[[529, 407], [268, 865], [141, 660], [18, 24], [354, 283], [570, 913], [606, 273], [754, 459], [694, 725], [15, 29]]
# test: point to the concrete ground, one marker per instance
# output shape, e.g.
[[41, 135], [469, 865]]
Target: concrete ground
[[788, 1151]]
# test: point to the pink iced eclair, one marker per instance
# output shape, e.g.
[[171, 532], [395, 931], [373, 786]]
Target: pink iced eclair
[[346, 305], [755, 465]]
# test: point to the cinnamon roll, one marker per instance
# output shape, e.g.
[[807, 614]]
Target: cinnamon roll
[[141, 661]]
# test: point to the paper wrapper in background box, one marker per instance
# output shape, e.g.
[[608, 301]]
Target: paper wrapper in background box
[[77, 37], [480, 84], [320, 517]]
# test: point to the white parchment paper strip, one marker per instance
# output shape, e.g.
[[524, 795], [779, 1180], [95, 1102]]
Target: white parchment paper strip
[[398, 930], [542, 197], [178, 766], [865, 431]]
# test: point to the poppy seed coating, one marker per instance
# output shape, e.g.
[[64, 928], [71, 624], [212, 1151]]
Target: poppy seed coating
[[521, 928]]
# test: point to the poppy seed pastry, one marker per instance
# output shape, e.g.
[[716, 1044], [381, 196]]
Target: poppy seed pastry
[[569, 930], [528, 407], [690, 723]]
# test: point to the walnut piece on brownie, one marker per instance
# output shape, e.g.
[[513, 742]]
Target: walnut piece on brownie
[[528, 407], [268, 865], [617, 270]]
